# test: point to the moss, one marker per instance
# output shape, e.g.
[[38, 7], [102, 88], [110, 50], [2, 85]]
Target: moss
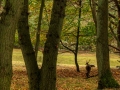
[[107, 81]]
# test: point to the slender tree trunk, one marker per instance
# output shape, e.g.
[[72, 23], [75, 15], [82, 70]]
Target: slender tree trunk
[[0, 3], [27, 49], [77, 37], [76, 63], [118, 28], [0, 8], [39, 28], [48, 70], [8, 23], [105, 77], [93, 9]]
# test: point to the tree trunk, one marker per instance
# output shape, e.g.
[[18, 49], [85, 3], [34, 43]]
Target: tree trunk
[[27, 49], [0, 3], [39, 28], [105, 77], [93, 9], [8, 23], [77, 37], [118, 28], [76, 63], [48, 70]]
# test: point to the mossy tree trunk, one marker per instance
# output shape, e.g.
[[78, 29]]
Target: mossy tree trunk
[[105, 77], [48, 70], [8, 23], [27, 49]]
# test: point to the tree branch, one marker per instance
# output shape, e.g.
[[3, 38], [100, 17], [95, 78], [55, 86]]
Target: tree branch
[[67, 47], [115, 48]]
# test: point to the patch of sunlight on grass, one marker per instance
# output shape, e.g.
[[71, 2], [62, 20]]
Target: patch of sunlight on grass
[[68, 58]]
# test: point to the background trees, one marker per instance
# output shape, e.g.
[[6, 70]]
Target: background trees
[[45, 77], [87, 40]]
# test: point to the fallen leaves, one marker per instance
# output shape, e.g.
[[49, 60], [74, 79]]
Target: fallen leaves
[[67, 78]]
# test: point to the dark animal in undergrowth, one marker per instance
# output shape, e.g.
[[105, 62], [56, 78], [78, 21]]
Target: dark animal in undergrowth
[[88, 69]]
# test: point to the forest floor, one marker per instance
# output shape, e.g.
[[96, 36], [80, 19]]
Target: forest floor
[[67, 78]]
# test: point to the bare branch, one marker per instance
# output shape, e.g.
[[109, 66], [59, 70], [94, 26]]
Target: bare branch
[[114, 47], [112, 16], [67, 47]]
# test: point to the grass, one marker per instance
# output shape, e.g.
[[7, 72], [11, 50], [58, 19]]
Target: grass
[[67, 77], [67, 58]]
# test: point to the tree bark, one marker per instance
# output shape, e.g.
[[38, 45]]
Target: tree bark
[[0, 3], [48, 70], [93, 9], [77, 37], [27, 49], [8, 23], [102, 53], [39, 28], [76, 63], [118, 28]]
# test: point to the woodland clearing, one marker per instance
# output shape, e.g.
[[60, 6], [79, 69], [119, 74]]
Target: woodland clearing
[[67, 77]]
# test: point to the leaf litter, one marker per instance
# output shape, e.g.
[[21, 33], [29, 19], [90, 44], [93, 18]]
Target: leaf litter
[[67, 78]]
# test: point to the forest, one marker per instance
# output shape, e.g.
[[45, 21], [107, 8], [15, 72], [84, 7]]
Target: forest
[[59, 44]]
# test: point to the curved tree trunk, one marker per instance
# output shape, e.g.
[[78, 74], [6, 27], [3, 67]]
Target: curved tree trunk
[[48, 70], [105, 77], [76, 63], [8, 23], [27, 49]]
